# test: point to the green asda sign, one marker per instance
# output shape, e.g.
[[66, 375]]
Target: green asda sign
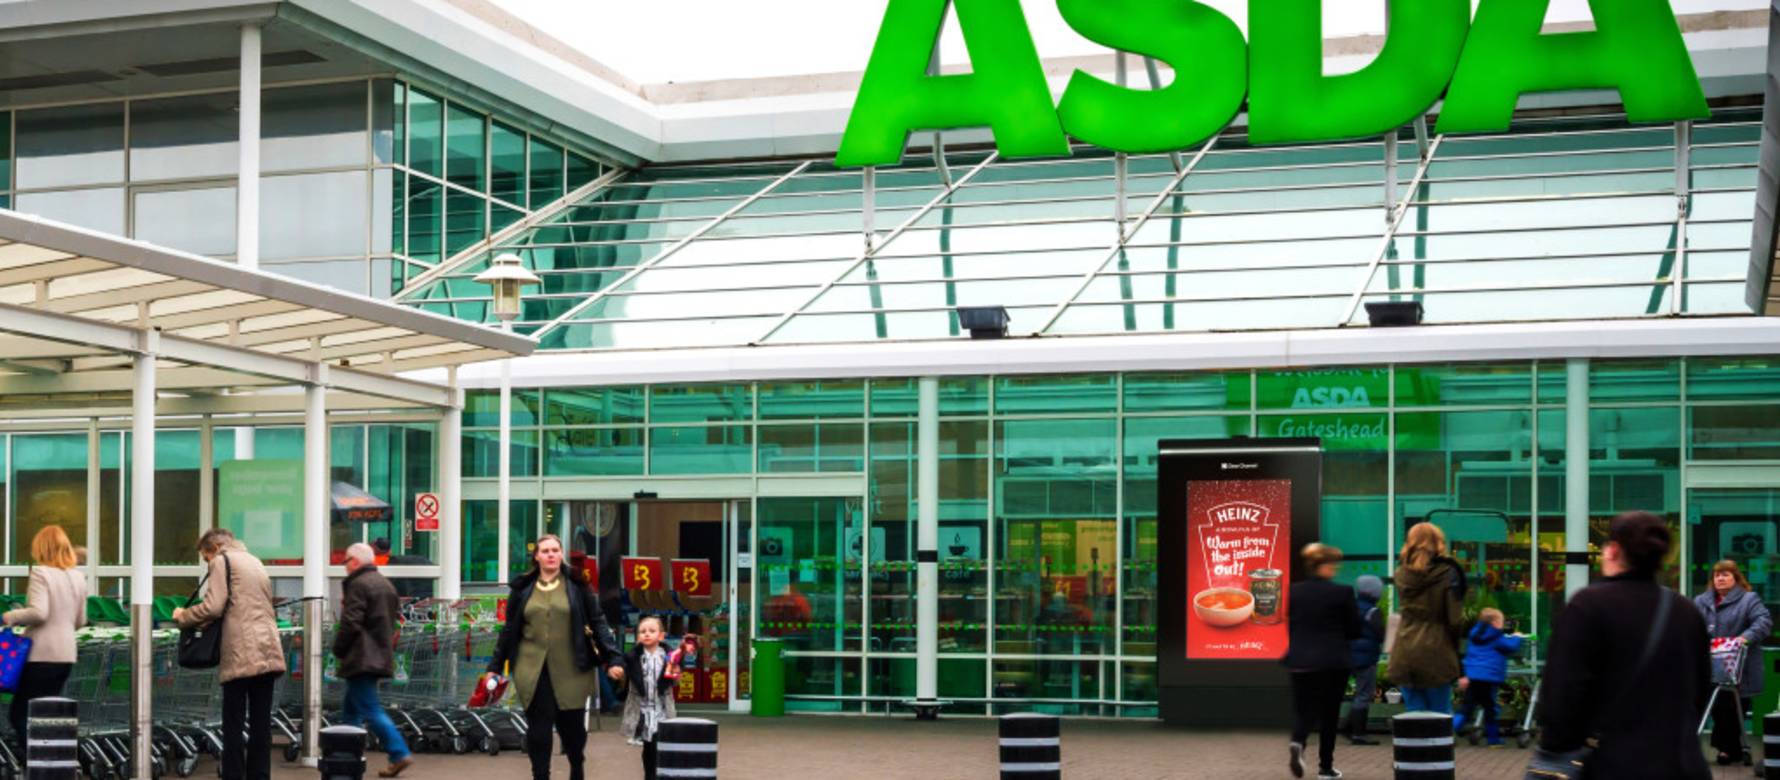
[[1434, 50], [1345, 407]]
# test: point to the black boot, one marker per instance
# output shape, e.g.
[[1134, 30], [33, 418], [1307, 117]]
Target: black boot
[[1356, 727]]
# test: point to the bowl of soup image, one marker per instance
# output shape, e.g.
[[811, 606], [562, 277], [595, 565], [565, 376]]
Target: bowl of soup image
[[1223, 607]]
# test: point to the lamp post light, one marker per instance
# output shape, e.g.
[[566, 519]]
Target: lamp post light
[[507, 274]]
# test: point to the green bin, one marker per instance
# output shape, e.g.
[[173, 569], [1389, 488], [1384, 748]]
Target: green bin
[[767, 686]]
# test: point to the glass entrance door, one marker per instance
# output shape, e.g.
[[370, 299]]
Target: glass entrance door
[[1741, 525]]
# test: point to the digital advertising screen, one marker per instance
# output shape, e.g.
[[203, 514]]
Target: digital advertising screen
[[1231, 516]]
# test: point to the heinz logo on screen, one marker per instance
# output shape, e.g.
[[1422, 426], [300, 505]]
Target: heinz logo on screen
[[1238, 537]]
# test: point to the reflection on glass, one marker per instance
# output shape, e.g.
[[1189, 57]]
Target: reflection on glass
[[70, 146], [546, 174], [466, 150], [201, 221], [99, 209], [184, 137], [426, 133], [292, 208], [316, 126]]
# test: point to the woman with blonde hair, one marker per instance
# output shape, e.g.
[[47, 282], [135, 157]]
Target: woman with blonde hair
[[1431, 594], [55, 605]]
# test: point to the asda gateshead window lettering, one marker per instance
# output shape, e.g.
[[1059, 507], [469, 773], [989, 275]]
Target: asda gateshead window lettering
[[1434, 51]]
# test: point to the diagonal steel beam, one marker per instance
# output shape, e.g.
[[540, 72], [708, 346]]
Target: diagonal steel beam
[[868, 255], [1398, 212], [670, 250], [1125, 235]]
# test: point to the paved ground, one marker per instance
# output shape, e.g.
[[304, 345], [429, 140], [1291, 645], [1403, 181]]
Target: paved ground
[[961, 749]]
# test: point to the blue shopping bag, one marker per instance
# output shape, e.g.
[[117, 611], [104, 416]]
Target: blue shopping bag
[[15, 650]]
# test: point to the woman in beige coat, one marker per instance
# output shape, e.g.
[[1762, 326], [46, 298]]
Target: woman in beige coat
[[55, 605], [240, 594]]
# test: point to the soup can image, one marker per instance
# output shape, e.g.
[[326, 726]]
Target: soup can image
[[1265, 585]]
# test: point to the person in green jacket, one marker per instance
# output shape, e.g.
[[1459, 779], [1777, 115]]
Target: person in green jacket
[[556, 642], [1431, 593]]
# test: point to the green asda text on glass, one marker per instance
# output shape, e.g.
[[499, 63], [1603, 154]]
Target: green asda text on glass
[[1433, 50]]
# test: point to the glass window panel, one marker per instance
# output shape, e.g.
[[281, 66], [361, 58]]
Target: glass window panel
[[1056, 681], [385, 214], [386, 277], [1186, 392], [1629, 380], [811, 590], [426, 133], [1744, 432], [426, 203], [1471, 384], [184, 137], [99, 209], [466, 220], [701, 450], [466, 148], [587, 452], [957, 396], [701, 403], [1323, 388], [1740, 379], [5, 151], [545, 174], [507, 164], [71, 146], [821, 447], [581, 170], [593, 405], [482, 453], [201, 221], [812, 400], [1056, 395], [482, 534], [1056, 583], [502, 217], [48, 482], [482, 408], [1735, 525], [317, 126], [314, 215], [389, 121], [348, 275]]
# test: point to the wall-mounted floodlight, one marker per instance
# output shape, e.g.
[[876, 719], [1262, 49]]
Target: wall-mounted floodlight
[[1394, 314], [984, 322]]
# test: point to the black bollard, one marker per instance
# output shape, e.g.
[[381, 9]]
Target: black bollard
[[1421, 746], [1770, 745], [1031, 747], [342, 753], [52, 744], [686, 748]]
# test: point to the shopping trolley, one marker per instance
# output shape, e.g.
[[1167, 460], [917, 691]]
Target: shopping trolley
[[1728, 655]]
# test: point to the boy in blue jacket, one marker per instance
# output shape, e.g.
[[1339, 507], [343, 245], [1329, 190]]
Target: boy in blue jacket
[[1486, 669]]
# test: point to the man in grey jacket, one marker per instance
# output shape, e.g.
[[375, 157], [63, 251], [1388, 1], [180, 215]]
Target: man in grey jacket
[[365, 645]]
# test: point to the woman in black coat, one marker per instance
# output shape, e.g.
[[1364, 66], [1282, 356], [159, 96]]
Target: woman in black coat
[[1645, 716], [1321, 621]]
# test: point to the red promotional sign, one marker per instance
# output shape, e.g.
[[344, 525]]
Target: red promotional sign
[[644, 574], [692, 577], [1239, 536]]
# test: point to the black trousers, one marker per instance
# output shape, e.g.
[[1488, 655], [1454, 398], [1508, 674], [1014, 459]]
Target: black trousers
[[1727, 723], [247, 728], [571, 725], [1316, 703], [37, 681], [649, 760]]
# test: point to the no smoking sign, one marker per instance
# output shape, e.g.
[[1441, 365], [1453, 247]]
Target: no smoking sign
[[426, 512]]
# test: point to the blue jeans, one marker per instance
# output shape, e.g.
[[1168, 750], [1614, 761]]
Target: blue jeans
[[1438, 699], [361, 707]]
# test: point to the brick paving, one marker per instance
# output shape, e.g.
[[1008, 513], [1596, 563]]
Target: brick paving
[[956, 749]]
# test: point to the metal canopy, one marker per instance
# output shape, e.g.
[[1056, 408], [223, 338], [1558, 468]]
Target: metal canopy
[[76, 304]]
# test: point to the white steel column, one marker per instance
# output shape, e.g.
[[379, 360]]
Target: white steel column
[[247, 175], [95, 484], [142, 548], [451, 564], [504, 492], [927, 542], [1576, 486], [317, 495]]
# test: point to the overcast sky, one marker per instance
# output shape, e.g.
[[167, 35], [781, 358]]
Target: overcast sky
[[655, 41]]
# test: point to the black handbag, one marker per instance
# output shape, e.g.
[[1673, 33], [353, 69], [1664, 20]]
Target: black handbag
[[1573, 765], [200, 647]]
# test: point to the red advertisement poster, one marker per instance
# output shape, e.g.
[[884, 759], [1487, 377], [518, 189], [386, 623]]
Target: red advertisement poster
[[692, 577], [644, 574], [1238, 568]]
